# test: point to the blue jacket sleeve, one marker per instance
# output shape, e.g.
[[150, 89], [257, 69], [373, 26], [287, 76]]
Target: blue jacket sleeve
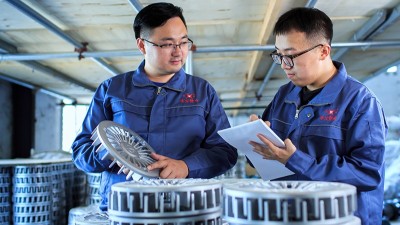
[[83, 152], [362, 162]]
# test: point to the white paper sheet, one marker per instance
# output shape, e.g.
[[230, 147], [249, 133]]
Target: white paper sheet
[[239, 137]]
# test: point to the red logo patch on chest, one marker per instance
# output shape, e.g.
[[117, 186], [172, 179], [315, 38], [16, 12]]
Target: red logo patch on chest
[[189, 98], [329, 115]]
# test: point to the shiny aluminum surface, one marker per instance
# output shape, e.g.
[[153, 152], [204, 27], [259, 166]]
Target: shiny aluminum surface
[[294, 202], [163, 198], [125, 147], [201, 219]]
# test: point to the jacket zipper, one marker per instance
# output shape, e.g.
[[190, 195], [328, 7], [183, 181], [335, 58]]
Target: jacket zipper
[[159, 90], [297, 114]]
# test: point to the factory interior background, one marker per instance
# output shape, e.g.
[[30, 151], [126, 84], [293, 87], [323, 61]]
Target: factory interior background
[[54, 54]]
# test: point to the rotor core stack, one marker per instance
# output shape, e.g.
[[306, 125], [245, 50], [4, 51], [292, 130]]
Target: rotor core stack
[[195, 201], [289, 202]]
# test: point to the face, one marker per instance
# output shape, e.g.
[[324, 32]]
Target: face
[[161, 64], [308, 66]]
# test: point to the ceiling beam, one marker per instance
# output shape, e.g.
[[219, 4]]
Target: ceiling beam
[[22, 7], [265, 31], [37, 88], [6, 47]]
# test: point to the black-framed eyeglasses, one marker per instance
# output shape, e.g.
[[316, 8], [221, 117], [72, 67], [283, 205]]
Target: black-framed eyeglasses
[[288, 59], [184, 45]]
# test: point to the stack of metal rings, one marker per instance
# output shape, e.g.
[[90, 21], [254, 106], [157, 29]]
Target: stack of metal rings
[[92, 188], [169, 201], [32, 194], [289, 202], [5, 193]]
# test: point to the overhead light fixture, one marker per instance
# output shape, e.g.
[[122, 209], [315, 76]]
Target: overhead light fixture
[[392, 69]]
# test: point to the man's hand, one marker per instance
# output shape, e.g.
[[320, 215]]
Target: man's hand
[[270, 151], [254, 117], [169, 168]]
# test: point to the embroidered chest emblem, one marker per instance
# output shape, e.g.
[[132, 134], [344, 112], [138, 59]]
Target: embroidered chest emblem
[[189, 98], [329, 115]]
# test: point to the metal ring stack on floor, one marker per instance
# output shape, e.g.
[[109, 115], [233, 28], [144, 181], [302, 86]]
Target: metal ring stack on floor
[[92, 188], [289, 202], [5, 193], [124, 146], [32, 194], [170, 201], [59, 203]]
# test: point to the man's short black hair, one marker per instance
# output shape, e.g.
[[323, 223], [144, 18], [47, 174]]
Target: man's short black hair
[[153, 16], [313, 22]]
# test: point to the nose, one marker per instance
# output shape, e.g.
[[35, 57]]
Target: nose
[[177, 50]]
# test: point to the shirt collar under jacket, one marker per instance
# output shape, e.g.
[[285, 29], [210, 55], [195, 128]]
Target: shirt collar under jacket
[[328, 93], [177, 82]]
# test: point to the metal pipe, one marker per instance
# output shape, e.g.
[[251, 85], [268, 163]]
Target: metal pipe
[[366, 30], [210, 49], [22, 7], [136, 5]]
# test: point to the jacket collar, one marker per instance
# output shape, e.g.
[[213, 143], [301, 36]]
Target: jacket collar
[[330, 91], [177, 82]]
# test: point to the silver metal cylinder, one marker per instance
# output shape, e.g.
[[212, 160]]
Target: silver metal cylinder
[[165, 198], [283, 202]]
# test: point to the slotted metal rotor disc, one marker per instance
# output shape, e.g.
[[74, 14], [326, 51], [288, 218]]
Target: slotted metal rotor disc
[[126, 147]]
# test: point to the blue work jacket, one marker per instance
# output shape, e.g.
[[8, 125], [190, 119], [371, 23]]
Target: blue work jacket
[[179, 120], [339, 136]]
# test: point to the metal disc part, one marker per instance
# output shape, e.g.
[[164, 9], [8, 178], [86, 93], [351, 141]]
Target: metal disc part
[[162, 198], [283, 202], [125, 147]]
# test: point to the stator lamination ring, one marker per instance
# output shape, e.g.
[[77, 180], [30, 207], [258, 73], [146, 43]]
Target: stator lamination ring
[[203, 219], [164, 198], [294, 202], [126, 147]]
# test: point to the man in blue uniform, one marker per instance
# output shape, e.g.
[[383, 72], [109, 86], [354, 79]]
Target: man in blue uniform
[[176, 113], [334, 127]]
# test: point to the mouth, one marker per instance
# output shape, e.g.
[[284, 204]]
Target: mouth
[[176, 62], [290, 75]]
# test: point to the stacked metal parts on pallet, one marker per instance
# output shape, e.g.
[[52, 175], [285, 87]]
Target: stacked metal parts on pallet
[[289, 202], [39, 191], [5, 193], [170, 201]]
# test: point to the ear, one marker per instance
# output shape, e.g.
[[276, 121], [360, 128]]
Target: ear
[[325, 51], [141, 46]]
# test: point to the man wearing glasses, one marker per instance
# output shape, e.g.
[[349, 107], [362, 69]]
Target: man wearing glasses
[[333, 127], [176, 113]]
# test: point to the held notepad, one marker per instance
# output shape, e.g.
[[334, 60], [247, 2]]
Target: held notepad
[[240, 136]]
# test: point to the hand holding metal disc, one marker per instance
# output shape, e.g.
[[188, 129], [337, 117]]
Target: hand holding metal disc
[[125, 147]]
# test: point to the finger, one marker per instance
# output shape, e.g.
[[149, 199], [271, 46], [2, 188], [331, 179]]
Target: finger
[[166, 173], [267, 142], [253, 117], [157, 165], [158, 157]]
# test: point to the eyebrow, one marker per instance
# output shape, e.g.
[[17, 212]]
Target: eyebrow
[[286, 49], [172, 39]]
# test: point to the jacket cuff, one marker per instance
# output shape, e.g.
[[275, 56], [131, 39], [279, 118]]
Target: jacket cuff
[[299, 162]]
